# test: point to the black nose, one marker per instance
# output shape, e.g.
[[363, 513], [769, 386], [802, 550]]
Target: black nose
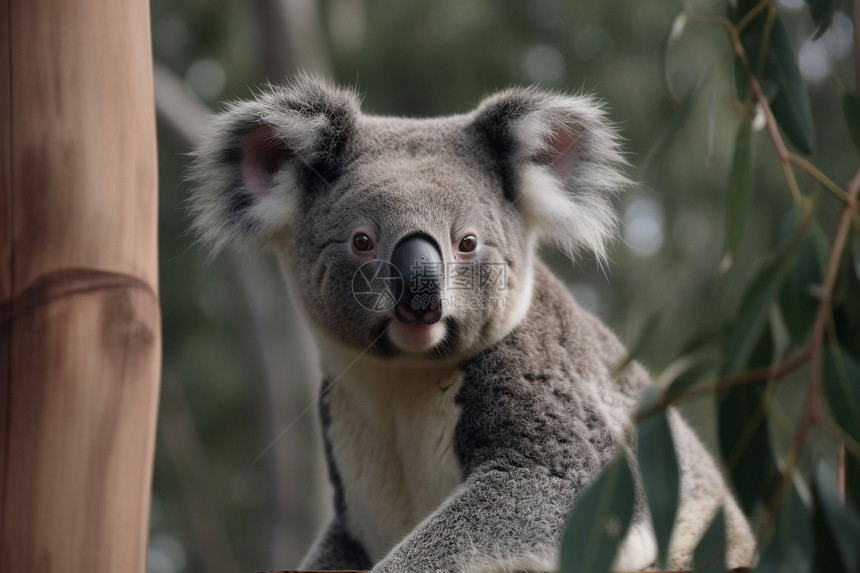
[[420, 264]]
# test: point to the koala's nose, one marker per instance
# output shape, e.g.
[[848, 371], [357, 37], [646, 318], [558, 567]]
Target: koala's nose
[[419, 262]]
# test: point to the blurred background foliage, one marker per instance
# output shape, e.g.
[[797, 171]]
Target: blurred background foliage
[[239, 482]]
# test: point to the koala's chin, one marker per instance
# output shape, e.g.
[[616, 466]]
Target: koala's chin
[[417, 338]]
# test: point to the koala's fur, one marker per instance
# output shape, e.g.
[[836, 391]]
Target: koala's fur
[[466, 453]]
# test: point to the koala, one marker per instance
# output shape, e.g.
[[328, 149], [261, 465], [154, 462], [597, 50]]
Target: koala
[[467, 408]]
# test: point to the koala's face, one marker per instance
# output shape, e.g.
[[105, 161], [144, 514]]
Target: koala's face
[[406, 237], [414, 191]]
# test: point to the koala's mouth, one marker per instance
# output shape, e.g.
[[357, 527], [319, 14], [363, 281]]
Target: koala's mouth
[[417, 337]]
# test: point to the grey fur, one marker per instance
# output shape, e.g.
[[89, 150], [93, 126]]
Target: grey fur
[[535, 412]]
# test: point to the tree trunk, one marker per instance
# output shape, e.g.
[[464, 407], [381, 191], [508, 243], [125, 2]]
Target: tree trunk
[[80, 341]]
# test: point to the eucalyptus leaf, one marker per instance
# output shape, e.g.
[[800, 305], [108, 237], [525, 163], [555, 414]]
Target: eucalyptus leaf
[[851, 107], [852, 479], [798, 297], [743, 432], [599, 521], [643, 342], [837, 528], [790, 105], [753, 313], [790, 100], [840, 375], [846, 302], [789, 229], [710, 554], [753, 316], [789, 549], [738, 192], [822, 14], [670, 128], [658, 466], [672, 34], [854, 256]]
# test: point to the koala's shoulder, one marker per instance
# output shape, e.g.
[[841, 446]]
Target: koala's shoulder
[[556, 335], [547, 395]]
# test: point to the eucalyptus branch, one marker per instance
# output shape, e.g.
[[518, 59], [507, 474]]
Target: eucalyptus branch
[[786, 158], [812, 353], [812, 407], [750, 16], [750, 377], [832, 272], [816, 174], [761, 99], [841, 435]]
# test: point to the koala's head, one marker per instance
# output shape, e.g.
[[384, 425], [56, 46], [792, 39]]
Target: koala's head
[[408, 237]]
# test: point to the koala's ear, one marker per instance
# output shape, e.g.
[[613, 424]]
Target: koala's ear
[[260, 155], [560, 162]]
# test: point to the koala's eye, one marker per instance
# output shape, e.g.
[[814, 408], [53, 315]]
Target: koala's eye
[[362, 242], [468, 244]]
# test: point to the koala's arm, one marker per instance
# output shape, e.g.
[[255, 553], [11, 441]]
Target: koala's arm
[[336, 549], [508, 519]]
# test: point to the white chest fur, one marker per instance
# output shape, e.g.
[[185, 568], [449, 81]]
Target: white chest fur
[[392, 437]]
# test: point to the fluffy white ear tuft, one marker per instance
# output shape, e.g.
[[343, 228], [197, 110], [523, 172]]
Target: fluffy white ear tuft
[[258, 157], [565, 163]]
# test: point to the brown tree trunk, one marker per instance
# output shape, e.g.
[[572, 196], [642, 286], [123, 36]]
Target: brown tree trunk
[[80, 341]]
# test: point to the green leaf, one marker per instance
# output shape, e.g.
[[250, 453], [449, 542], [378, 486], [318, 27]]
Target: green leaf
[[738, 195], [840, 375], [670, 129], [854, 256], [851, 107], [599, 521], [789, 549], [744, 435], [753, 314], [709, 556], [846, 303], [798, 298], [790, 105], [672, 34], [658, 466], [852, 479], [837, 528], [791, 228], [643, 342], [822, 14], [790, 101]]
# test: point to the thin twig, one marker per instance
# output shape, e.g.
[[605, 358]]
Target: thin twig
[[761, 374], [749, 16], [816, 174], [841, 435], [761, 99]]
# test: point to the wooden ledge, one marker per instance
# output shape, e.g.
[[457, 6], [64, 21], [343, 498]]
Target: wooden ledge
[[740, 570]]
